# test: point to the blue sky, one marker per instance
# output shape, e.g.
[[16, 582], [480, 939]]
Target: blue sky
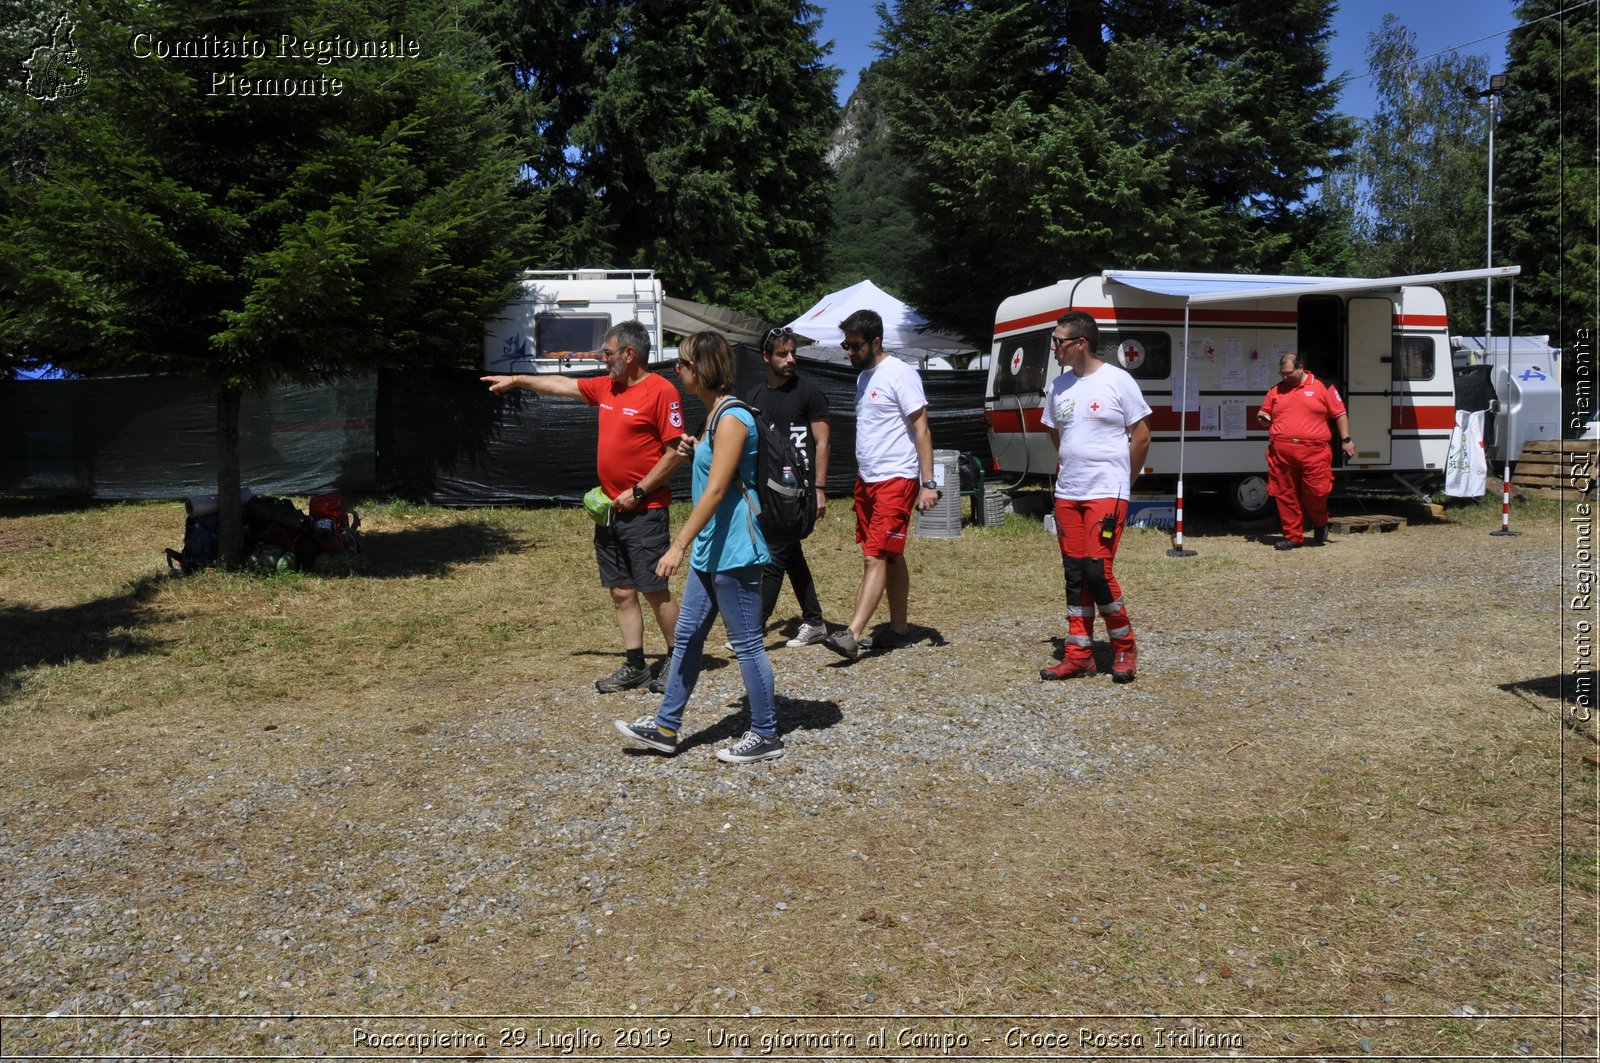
[[1438, 24]]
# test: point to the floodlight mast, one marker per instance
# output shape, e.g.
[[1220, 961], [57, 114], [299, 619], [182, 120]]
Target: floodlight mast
[[1492, 95]]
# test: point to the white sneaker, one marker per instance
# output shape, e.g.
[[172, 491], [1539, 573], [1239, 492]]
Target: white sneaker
[[751, 747], [808, 635]]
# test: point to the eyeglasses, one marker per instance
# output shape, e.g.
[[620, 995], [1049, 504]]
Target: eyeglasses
[[684, 363], [1062, 341], [853, 345]]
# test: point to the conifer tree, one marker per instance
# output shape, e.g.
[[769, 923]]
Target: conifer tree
[[687, 136], [194, 216], [1547, 171], [1050, 139]]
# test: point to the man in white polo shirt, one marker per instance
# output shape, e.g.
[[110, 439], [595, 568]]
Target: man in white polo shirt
[[894, 474]]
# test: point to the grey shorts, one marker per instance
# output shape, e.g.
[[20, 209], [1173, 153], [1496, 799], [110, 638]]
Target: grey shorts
[[630, 546]]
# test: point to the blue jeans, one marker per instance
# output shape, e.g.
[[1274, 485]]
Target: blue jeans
[[736, 594]]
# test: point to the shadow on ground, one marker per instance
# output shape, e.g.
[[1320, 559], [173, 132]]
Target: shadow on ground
[[90, 631], [882, 640], [794, 714], [433, 551], [1573, 688]]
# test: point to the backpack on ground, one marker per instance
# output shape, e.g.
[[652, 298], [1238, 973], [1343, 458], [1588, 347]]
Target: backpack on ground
[[783, 480], [201, 545], [333, 527], [277, 536]]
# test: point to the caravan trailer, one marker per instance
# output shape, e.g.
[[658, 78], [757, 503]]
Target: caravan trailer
[[1204, 349], [562, 316]]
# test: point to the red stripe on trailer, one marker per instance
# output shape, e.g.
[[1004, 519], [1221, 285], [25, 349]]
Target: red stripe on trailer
[[1165, 419], [1002, 422], [1404, 418], [1134, 315], [1409, 418]]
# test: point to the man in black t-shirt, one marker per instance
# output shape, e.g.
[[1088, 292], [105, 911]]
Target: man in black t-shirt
[[796, 406]]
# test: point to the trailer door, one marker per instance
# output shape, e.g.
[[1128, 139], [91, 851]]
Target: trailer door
[[1369, 376]]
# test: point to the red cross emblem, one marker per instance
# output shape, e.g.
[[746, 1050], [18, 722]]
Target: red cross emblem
[[1094, 406]]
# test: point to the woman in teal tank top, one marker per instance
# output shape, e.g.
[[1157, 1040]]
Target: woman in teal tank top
[[726, 555]]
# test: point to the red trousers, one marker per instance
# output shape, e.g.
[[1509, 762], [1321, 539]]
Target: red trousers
[[1089, 532], [1300, 479]]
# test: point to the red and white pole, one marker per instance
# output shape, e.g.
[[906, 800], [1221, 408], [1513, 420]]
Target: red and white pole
[[1177, 526], [1505, 504]]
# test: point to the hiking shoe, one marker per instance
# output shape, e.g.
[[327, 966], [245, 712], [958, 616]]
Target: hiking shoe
[[1069, 669], [1286, 544], [643, 730], [625, 678], [1124, 665], [658, 677], [1319, 536], [844, 643], [808, 635], [750, 748]]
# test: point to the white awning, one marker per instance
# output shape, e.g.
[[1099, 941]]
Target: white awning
[[1199, 288]]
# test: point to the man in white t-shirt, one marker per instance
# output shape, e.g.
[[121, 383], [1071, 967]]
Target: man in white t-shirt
[[1098, 420], [894, 473]]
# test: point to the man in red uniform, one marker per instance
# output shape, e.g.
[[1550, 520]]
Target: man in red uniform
[[641, 420], [1299, 462]]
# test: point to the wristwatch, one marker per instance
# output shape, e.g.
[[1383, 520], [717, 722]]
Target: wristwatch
[[1347, 439], [930, 485], [638, 493]]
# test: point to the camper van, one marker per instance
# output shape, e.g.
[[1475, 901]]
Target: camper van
[[1204, 348], [559, 321]]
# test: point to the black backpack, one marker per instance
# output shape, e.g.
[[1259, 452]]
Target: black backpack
[[783, 480], [201, 545]]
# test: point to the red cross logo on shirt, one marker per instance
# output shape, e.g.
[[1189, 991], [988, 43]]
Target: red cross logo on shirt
[[1094, 406]]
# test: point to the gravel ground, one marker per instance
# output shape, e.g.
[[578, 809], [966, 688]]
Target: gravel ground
[[141, 886]]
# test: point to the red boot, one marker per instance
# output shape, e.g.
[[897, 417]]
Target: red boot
[[1070, 668], [1124, 663]]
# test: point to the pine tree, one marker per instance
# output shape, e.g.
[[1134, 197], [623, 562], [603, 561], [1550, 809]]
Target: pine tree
[[687, 136], [1547, 184], [1050, 139], [165, 221]]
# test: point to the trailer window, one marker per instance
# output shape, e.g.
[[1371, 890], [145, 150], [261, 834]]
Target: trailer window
[[1024, 361], [1413, 357], [562, 335], [1145, 355]]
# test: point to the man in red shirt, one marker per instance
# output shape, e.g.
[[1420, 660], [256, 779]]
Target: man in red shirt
[[641, 420], [1299, 461]]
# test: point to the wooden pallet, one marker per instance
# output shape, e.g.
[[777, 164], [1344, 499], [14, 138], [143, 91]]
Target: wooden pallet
[[1370, 522], [1554, 468]]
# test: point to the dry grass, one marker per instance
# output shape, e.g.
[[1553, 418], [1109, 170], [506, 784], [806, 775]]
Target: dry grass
[[1389, 847]]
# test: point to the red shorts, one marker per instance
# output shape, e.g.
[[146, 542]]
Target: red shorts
[[883, 513]]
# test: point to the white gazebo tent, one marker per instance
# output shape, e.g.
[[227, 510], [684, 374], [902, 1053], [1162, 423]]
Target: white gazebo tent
[[906, 333]]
